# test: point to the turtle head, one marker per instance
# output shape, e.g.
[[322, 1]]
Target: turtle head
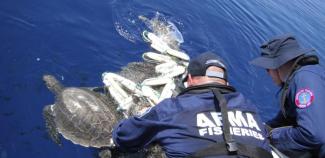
[[53, 84]]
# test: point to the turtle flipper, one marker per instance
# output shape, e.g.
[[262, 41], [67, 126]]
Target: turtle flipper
[[52, 131], [105, 153]]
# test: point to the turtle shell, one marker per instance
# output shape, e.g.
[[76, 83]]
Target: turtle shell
[[84, 117]]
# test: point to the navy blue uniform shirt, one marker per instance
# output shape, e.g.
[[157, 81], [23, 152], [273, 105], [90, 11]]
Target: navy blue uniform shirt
[[190, 122], [305, 113]]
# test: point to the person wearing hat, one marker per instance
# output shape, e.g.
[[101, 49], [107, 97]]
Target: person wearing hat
[[208, 119], [302, 81]]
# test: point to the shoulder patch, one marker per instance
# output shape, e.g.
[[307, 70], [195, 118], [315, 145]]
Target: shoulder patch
[[304, 98]]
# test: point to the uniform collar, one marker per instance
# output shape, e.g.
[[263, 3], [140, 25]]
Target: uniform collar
[[207, 88]]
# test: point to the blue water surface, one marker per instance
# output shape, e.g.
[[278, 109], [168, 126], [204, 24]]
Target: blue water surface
[[77, 40]]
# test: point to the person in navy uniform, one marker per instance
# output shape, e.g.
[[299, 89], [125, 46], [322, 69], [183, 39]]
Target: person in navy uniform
[[191, 124], [302, 81]]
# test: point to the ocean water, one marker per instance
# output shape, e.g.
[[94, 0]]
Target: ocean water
[[77, 40]]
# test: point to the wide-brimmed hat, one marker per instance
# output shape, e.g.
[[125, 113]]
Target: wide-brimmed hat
[[198, 66], [278, 51]]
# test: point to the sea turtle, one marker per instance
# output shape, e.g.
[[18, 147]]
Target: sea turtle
[[86, 117], [79, 114]]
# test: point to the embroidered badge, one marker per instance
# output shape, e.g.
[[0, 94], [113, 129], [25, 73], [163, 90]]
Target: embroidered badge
[[304, 98]]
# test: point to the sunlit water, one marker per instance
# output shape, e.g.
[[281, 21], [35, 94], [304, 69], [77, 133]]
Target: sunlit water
[[78, 40]]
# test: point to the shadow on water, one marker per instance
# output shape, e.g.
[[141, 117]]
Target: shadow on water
[[5, 98], [39, 128], [7, 114]]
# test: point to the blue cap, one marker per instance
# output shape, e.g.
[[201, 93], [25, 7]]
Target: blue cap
[[198, 65], [278, 51]]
